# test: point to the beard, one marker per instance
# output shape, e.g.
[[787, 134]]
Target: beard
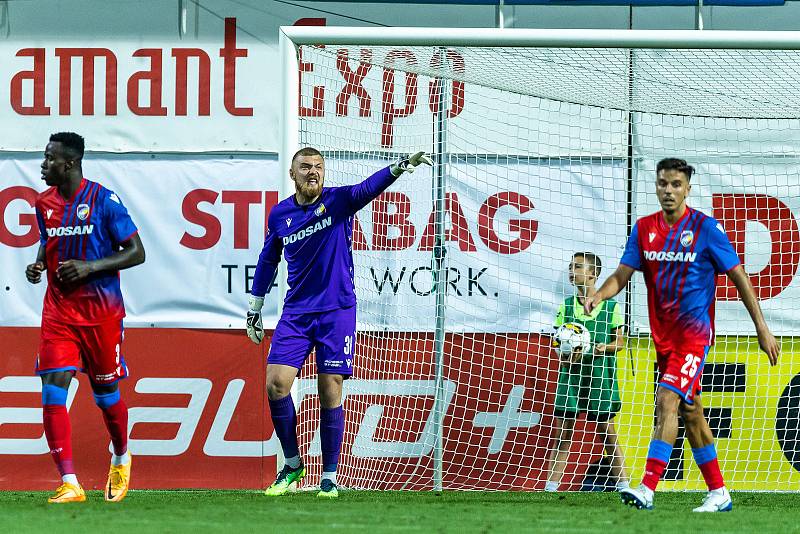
[[310, 191]]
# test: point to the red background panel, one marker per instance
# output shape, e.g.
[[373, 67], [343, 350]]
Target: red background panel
[[481, 368]]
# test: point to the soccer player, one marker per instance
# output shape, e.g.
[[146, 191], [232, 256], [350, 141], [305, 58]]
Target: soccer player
[[680, 251], [87, 237], [587, 383], [313, 229]]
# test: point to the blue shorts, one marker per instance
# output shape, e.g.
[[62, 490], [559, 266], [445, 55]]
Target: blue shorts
[[332, 334]]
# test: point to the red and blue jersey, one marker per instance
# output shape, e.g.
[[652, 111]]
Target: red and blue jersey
[[89, 226], [680, 264]]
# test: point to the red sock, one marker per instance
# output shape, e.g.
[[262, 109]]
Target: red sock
[[58, 431], [712, 474], [652, 473], [116, 418]]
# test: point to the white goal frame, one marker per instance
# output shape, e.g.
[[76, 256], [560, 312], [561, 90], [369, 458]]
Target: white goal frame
[[291, 37]]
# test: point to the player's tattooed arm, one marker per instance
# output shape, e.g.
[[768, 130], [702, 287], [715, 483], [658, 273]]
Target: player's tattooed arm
[[33, 272], [766, 340], [131, 253]]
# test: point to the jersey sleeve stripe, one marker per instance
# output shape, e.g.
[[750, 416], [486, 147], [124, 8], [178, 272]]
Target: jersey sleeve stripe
[[42, 227], [130, 236]]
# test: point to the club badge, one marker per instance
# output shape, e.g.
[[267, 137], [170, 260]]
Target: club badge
[[83, 211]]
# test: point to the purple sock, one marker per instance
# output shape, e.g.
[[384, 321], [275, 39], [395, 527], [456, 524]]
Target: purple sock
[[331, 428], [284, 419]]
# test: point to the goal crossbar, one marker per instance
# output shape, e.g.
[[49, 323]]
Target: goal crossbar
[[556, 38]]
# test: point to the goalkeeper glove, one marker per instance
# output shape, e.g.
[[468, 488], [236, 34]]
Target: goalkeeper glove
[[409, 163], [255, 328]]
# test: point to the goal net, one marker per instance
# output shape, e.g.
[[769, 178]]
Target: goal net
[[545, 145]]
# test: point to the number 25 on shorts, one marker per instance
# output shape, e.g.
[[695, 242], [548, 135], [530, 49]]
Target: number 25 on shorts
[[689, 368]]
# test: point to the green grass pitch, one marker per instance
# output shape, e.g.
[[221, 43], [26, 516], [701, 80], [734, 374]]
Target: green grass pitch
[[361, 511]]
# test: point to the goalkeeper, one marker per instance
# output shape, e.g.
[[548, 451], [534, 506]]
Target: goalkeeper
[[587, 380], [314, 230]]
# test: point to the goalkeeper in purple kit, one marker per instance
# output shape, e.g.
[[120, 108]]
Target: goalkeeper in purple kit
[[314, 230]]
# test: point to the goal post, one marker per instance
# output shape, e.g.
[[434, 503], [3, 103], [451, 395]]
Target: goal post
[[545, 144]]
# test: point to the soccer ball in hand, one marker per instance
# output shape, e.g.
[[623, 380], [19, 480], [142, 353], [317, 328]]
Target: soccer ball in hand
[[571, 337]]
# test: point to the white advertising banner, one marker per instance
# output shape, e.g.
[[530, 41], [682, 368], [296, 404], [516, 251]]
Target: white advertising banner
[[201, 220], [510, 231]]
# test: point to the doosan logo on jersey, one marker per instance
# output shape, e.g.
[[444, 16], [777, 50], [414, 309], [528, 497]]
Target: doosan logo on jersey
[[70, 230], [660, 255], [307, 231]]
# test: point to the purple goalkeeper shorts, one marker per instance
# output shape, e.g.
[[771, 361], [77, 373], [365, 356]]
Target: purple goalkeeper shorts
[[332, 334]]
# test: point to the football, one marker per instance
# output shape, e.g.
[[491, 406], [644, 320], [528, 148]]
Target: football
[[570, 337]]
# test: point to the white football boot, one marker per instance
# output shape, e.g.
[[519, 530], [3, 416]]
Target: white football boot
[[718, 500], [640, 498]]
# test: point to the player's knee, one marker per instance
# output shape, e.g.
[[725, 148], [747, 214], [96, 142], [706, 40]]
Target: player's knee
[[53, 395], [330, 390], [59, 379], [691, 413], [330, 398], [277, 389], [106, 400]]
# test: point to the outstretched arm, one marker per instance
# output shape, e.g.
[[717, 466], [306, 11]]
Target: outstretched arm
[[131, 253], [766, 340], [615, 283], [363, 193]]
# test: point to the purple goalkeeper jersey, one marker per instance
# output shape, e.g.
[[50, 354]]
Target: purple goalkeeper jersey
[[317, 241]]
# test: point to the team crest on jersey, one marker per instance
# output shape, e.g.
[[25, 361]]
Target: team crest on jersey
[[687, 237], [83, 211], [288, 222], [320, 210], [652, 236]]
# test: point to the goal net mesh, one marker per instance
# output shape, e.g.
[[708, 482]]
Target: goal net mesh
[[541, 153]]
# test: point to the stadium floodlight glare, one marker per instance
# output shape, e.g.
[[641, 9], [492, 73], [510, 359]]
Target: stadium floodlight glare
[[545, 144]]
